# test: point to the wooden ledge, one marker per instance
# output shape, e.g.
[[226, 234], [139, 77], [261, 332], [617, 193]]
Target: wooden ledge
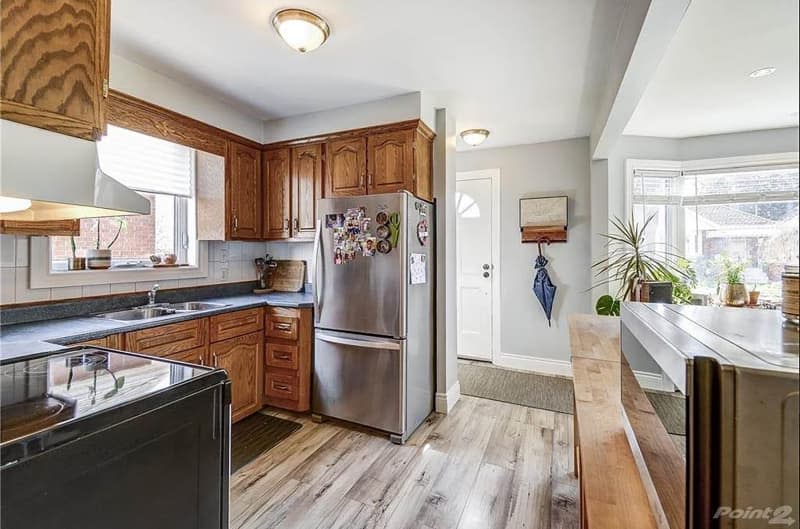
[[631, 473]]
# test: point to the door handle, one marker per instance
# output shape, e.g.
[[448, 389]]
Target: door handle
[[296, 224], [286, 224], [318, 264], [235, 223], [358, 343]]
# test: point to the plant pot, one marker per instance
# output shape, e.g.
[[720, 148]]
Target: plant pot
[[98, 259], [733, 294], [753, 295], [76, 263]]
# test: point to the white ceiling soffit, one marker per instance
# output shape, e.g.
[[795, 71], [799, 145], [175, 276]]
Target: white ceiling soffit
[[527, 70], [703, 87]]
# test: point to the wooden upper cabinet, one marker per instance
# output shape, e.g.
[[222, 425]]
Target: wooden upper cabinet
[[55, 64], [423, 166], [346, 168], [243, 191], [391, 162], [277, 195], [306, 189]]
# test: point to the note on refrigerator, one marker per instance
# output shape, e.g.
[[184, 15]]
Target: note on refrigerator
[[418, 269]]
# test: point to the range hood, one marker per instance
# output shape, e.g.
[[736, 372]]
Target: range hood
[[60, 176]]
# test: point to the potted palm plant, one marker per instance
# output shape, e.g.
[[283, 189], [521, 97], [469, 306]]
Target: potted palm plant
[[75, 262], [732, 291], [100, 258], [636, 265]]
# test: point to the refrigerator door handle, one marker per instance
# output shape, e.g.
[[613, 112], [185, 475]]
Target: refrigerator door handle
[[317, 265], [357, 343]]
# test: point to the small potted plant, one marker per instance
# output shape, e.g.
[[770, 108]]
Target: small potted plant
[[100, 258], [732, 291], [75, 263], [753, 295]]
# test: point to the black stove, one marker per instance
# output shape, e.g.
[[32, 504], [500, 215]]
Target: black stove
[[147, 438]]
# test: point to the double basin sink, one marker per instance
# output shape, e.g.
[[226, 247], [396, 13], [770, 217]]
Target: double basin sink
[[160, 310]]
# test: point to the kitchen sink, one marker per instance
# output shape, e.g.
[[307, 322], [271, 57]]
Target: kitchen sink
[[189, 306], [144, 313]]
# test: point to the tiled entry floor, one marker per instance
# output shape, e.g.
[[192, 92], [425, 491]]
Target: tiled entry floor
[[486, 465]]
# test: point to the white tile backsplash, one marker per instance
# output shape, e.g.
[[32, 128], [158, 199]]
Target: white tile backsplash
[[229, 262]]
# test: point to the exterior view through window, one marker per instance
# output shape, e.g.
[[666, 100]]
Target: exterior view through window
[[159, 170], [748, 216]]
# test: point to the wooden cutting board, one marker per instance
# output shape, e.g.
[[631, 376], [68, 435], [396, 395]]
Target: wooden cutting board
[[289, 276]]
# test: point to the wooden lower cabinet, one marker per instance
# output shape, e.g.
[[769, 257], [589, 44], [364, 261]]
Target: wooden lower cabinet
[[241, 357], [113, 341], [287, 358], [167, 340], [197, 356]]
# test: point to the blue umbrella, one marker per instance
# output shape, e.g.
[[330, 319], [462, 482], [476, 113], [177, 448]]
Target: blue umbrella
[[544, 289]]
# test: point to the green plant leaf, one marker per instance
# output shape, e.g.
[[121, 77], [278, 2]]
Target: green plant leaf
[[607, 306]]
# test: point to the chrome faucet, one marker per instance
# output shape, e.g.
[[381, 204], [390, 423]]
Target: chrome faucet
[[151, 296]]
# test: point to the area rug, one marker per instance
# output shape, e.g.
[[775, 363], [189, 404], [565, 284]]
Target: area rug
[[256, 434], [551, 393]]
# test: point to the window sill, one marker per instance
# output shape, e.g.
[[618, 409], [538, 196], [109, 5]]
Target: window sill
[[42, 277]]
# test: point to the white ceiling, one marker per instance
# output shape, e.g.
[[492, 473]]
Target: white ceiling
[[528, 70], [702, 85]]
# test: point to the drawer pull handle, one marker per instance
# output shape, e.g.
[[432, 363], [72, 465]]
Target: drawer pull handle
[[281, 387], [284, 326], [283, 356]]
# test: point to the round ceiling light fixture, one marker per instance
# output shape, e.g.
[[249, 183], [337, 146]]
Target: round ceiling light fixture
[[302, 30], [10, 204], [474, 137], [763, 72]]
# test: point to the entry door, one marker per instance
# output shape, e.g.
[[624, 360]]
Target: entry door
[[475, 269]]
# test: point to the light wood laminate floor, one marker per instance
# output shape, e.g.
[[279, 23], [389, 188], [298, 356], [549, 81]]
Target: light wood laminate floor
[[487, 464]]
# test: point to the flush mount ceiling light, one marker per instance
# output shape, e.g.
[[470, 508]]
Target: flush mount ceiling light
[[763, 72], [300, 29], [474, 137]]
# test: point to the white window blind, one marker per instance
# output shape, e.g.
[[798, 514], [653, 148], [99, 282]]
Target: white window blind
[[146, 164]]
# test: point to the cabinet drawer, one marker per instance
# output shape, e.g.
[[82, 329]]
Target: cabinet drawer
[[168, 339], [283, 323], [282, 355], [239, 323], [281, 385], [113, 341]]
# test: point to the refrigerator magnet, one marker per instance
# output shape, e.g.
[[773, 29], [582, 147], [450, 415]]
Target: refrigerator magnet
[[383, 246], [334, 220], [382, 217], [422, 231], [383, 231], [369, 246]]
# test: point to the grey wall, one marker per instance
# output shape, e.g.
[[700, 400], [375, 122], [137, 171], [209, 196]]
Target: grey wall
[[544, 169]]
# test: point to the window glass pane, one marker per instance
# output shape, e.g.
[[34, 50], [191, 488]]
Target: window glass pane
[[763, 181]]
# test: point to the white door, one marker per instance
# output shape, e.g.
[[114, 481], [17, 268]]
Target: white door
[[475, 234]]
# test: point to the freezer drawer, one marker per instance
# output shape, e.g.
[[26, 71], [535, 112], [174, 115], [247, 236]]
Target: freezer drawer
[[360, 379]]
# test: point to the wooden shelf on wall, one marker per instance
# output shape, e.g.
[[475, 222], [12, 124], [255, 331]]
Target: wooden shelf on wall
[[543, 233]]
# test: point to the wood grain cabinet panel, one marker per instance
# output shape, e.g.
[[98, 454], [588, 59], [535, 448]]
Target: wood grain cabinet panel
[[306, 189], [241, 358], [197, 356], [390, 159], [55, 64], [230, 324], [346, 168], [282, 355], [277, 193], [423, 166], [287, 358], [113, 341], [282, 323], [169, 339], [243, 191]]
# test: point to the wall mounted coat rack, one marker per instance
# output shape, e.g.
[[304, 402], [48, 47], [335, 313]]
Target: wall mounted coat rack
[[543, 219]]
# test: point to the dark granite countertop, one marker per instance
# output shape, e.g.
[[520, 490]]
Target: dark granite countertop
[[64, 331]]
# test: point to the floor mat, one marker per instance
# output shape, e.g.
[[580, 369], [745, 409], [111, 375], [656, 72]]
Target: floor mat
[[552, 393], [256, 434]]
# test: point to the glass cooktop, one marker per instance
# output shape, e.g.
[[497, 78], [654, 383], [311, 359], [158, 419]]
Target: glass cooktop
[[44, 392]]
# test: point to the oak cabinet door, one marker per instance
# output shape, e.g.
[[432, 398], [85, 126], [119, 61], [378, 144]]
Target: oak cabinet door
[[244, 191], [55, 65], [241, 358], [346, 168], [277, 195], [306, 189], [391, 162]]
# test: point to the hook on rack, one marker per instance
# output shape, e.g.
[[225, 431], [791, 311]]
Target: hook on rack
[[541, 240]]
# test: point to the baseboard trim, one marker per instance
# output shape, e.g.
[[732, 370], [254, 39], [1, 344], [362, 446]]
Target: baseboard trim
[[444, 402], [563, 368], [547, 366]]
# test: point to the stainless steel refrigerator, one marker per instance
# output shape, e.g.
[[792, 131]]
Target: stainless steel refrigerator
[[373, 280]]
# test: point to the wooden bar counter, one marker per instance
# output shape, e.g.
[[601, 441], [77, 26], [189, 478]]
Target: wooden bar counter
[[631, 474]]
